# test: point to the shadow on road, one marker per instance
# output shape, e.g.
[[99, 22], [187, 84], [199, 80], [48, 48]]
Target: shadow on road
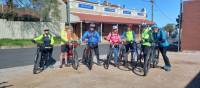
[[195, 83], [5, 85]]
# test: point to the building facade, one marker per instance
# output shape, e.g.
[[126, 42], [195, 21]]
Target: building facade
[[191, 25], [104, 15]]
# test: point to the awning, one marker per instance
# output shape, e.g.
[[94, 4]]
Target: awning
[[110, 19], [74, 18]]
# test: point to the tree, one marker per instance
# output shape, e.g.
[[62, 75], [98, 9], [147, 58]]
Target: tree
[[47, 9], [169, 27], [10, 5]]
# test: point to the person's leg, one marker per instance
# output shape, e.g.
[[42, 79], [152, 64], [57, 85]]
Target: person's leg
[[146, 52], [116, 50], [132, 51], [41, 57], [96, 50], [51, 60], [62, 55], [163, 51], [127, 47], [67, 56]]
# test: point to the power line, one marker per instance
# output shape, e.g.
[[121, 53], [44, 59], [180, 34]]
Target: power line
[[162, 12]]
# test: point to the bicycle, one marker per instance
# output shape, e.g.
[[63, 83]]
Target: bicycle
[[110, 56], [72, 54], [122, 51], [87, 55], [41, 58], [134, 52], [146, 63], [155, 54]]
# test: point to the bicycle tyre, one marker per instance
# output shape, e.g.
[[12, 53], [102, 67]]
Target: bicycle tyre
[[90, 60], [156, 59], [37, 62], [75, 61]]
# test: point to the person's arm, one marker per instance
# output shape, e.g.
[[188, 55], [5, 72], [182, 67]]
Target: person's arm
[[123, 35], [63, 36], [38, 39], [98, 37], [75, 37], [164, 36], [119, 38], [84, 36], [108, 37], [52, 39]]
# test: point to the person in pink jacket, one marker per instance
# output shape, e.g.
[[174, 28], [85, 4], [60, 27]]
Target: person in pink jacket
[[114, 39]]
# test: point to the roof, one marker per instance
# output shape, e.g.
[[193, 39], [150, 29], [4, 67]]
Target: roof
[[110, 19]]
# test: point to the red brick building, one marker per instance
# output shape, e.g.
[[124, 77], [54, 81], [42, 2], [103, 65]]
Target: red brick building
[[191, 25]]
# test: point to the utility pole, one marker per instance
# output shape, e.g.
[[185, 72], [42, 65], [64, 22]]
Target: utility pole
[[152, 10], [180, 28], [67, 3], [68, 12]]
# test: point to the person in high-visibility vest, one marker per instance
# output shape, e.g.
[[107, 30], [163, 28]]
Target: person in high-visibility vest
[[67, 35], [130, 38], [47, 41], [146, 41]]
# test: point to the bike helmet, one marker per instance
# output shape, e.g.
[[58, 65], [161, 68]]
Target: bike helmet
[[92, 25], [114, 27]]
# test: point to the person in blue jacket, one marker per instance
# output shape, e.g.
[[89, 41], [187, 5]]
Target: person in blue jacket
[[93, 38], [161, 37]]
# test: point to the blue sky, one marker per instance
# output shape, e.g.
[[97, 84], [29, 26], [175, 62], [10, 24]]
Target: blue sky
[[166, 11]]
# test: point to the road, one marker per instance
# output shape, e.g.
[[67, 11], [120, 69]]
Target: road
[[25, 56], [185, 74]]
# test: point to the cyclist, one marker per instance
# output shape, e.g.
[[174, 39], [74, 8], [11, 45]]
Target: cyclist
[[66, 37], [47, 41], [93, 38], [160, 36], [146, 41], [114, 39], [129, 36]]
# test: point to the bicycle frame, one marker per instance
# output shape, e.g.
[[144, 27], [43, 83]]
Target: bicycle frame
[[72, 54]]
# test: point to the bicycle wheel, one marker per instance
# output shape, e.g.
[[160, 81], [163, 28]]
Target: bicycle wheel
[[147, 64], [36, 66], [120, 57], [134, 58], [90, 60], [84, 57], [107, 62], [156, 58], [75, 61]]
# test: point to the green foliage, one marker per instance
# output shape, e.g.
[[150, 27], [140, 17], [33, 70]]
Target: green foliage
[[46, 8], [20, 42], [15, 42], [169, 27]]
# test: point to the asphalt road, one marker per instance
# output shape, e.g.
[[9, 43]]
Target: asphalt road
[[25, 56]]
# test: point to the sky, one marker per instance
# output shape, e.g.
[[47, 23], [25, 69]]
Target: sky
[[165, 11]]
